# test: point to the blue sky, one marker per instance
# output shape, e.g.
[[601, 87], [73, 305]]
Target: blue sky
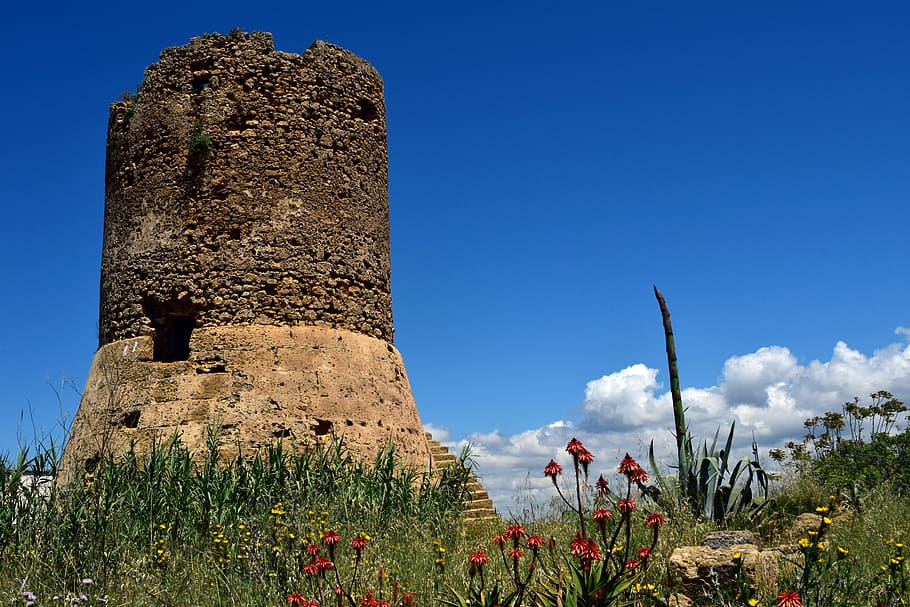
[[548, 164]]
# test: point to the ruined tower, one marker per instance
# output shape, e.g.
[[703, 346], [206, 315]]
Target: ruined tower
[[245, 272]]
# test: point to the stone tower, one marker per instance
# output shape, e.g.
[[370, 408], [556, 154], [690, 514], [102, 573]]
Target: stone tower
[[245, 273]]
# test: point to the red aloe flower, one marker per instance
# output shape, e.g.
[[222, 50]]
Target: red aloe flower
[[585, 457], [602, 514], [408, 599], [535, 542], [586, 550], [312, 549], [644, 553], [627, 465], [479, 558], [370, 601], [601, 485], [515, 531], [655, 520], [500, 539], [625, 505], [592, 551], [515, 553], [330, 538], [310, 569], [575, 447], [552, 470], [323, 563], [789, 599], [632, 564], [296, 599], [577, 547], [358, 543], [639, 475]]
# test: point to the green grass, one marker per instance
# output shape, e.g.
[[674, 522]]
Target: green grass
[[227, 534], [160, 529]]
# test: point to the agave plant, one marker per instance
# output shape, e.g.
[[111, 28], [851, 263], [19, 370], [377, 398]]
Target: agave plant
[[712, 489], [702, 482]]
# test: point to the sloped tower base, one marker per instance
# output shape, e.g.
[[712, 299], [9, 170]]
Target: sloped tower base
[[258, 385]]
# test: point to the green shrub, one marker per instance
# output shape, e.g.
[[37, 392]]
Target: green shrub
[[199, 142], [857, 449]]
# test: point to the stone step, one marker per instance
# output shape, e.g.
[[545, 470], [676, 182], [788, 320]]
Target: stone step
[[484, 515], [479, 506], [480, 514]]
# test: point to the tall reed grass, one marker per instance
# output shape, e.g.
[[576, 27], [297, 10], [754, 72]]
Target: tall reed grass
[[159, 528], [162, 529]]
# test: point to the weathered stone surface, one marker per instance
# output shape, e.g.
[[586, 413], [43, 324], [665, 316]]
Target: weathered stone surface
[[259, 384], [725, 539], [698, 571], [810, 521], [248, 186]]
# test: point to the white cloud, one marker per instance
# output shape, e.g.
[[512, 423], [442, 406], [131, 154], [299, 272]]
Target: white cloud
[[624, 400], [766, 392], [439, 433], [745, 378]]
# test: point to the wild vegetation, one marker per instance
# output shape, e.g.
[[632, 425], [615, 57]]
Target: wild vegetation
[[161, 529], [318, 527]]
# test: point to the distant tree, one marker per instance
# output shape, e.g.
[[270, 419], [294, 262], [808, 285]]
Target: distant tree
[[858, 448]]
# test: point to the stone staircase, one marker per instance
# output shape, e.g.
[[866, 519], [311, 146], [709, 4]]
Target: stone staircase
[[479, 505]]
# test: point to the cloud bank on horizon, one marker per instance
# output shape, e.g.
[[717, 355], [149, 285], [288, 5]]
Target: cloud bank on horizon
[[768, 393]]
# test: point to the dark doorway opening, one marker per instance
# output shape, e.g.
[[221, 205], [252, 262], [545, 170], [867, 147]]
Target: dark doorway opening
[[172, 338], [173, 323]]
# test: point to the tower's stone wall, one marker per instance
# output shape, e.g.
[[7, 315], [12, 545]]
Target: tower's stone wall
[[247, 186], [245, 266]]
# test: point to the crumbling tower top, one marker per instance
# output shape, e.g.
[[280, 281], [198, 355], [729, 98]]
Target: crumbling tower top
[[246, 186]]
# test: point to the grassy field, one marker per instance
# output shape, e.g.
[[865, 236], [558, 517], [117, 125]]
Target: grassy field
[[320, 527]]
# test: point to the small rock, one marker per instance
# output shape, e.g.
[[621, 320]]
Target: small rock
[[725, 539]]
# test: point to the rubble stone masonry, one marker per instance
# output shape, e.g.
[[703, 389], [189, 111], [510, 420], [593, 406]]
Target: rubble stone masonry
[[247, 186], [245, 273]]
